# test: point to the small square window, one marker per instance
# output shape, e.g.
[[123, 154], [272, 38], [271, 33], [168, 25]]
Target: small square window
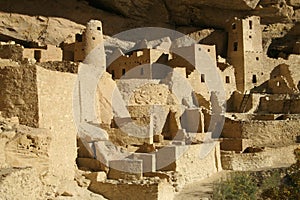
[[257, 58], [233, 26], [78, 37], [99, 28]]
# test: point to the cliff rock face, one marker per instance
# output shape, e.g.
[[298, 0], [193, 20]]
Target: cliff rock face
[[200, 13], [54, 22], [47, 30]]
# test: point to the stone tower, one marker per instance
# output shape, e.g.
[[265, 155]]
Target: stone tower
[[93, 44], [245, 52]]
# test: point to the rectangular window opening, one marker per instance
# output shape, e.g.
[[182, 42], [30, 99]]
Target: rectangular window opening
[[123, 71], [235, 46], [227, 79], [250, 24], [37, 55], [202, 78], [254, 79]]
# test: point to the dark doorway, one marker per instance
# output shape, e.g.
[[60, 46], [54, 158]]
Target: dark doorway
[[37, 55]]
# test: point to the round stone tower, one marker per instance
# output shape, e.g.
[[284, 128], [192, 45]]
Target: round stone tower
[[93, 43]]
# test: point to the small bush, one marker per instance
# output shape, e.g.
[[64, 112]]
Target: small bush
[[237, 186], [289, 187], [277, 185]]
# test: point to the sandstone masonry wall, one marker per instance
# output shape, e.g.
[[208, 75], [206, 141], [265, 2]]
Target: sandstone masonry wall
[[11, 51], [263, 133], [55, 96], [18, 96]]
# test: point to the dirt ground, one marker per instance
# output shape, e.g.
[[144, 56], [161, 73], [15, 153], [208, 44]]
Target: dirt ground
[[201, 189]]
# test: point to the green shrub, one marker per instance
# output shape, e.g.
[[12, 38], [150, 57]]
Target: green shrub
[[289, 187], [270, 186], [284, 185], [237, 186]]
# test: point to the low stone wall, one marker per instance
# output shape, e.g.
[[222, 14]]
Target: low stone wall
[[269, 158], [263, 132], [134, 190], [193, 167], [189, 163], [271, 133], [61, 66], [280, 104]]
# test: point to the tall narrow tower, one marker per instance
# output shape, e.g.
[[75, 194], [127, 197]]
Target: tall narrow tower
[[93, 44], [245, 51]]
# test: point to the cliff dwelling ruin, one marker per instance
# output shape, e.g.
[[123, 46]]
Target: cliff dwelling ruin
[[99, 117]]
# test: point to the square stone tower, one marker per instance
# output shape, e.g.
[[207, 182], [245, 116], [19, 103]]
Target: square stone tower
[[245, 52]]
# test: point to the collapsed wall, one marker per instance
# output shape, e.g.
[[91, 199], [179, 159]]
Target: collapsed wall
[[26, 157]]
